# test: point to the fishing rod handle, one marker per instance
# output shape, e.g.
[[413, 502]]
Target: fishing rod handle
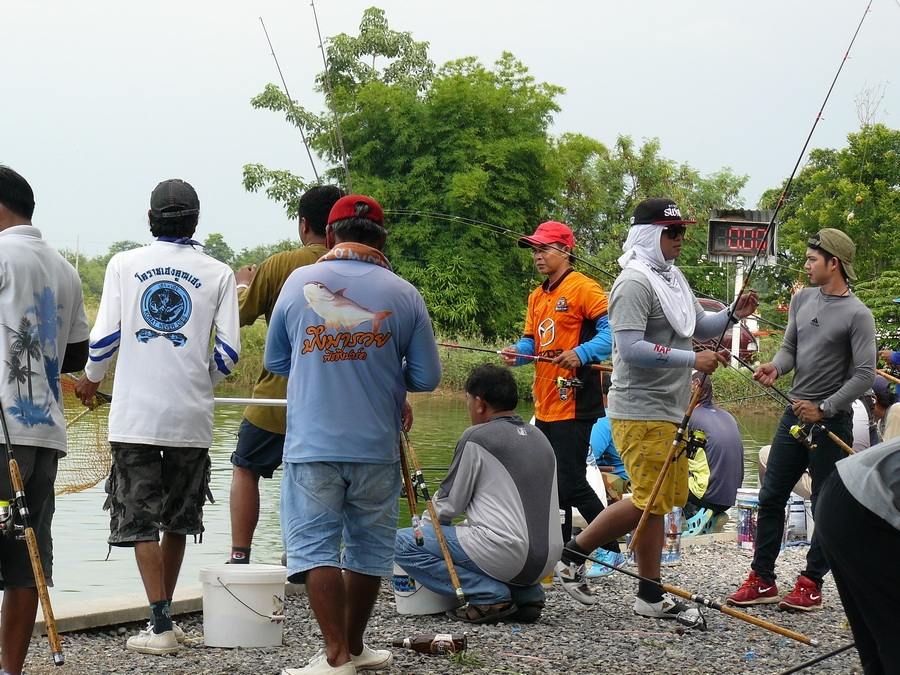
[[838, 441], [725, 609], [445, 550], [44, 595], [670, 459]]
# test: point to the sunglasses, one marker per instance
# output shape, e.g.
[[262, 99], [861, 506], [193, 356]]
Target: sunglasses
[[675, 231]]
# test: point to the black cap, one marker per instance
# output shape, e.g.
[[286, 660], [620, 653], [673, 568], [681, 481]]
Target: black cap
[[174, 198], [658, 211]]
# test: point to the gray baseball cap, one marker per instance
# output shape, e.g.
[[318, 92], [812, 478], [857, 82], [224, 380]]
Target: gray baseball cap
[[839, 245], [174, 198]]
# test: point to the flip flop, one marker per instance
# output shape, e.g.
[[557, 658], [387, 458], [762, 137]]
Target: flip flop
[[483, 613]]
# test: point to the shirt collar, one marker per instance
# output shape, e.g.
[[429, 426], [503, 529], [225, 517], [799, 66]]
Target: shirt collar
[[26, 230]]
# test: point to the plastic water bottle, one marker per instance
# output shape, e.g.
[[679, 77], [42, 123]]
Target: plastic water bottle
[[440, 643], [671, 553]]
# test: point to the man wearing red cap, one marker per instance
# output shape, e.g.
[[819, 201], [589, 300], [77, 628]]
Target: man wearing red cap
[[354, 338], [566, 322]]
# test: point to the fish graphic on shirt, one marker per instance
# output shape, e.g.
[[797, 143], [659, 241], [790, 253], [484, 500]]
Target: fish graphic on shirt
[[339, 311]]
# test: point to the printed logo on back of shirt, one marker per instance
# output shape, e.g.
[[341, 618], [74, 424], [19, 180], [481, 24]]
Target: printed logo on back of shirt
[[341, 314], [165, 306]]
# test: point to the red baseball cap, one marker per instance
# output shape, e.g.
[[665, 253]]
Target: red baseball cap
[[356, 206], [550, 232]]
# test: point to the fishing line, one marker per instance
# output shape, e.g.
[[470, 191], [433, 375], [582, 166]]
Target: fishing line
[[293, 108]]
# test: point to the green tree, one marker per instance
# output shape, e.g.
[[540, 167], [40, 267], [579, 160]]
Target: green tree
[[600, 188], [855, 189], [216, 246]]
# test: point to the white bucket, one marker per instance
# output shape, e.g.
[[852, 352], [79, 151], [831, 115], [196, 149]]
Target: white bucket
[[413, 598], [243, 605]]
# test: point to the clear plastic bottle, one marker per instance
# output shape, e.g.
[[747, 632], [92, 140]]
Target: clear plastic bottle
[[671, 553]]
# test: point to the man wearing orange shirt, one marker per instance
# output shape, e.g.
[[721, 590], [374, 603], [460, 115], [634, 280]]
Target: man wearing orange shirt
[[566, 322]]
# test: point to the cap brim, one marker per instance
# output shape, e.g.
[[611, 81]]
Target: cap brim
[[531, 242], [849, 271]]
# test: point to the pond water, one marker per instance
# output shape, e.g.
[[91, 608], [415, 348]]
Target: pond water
[[80, 526]]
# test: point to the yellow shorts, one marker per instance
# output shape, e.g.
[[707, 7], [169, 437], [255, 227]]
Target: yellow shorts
[[644, 446]]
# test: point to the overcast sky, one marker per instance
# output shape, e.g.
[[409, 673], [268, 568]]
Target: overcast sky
[[99, 100]]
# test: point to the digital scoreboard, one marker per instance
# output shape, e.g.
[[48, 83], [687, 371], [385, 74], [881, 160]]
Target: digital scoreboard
[[740, 233]]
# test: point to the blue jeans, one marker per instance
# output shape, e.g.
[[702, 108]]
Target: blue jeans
[[426, 565], [340, 514]]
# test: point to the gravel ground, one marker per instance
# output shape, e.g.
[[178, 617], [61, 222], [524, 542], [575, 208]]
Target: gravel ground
[[570, 638]]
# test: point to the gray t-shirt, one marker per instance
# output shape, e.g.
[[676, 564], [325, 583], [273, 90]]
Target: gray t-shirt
[[830, 345], [503, 476], [873, 478], [639, 393]]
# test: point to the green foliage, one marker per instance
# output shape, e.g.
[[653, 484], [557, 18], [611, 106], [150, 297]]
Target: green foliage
[[855, 189], [878, 294], [255, 255], [456, 364], [600, 188], [216, 247]]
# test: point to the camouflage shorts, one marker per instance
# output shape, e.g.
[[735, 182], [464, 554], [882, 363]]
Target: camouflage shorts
[[153, 489]]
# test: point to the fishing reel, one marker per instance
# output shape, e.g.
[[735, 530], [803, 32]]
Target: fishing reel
[[804, 434], [695, 443], [565, 384], [8, 527]]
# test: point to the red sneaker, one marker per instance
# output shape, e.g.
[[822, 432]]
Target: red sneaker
[[806, 596], [754, 591]]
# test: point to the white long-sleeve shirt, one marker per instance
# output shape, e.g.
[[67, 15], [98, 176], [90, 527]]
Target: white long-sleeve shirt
[[161, 304]]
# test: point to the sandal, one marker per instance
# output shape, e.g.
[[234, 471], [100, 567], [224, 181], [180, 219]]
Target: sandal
[[483, 613]]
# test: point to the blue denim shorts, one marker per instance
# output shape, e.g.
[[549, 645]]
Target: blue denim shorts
[[327, 504]]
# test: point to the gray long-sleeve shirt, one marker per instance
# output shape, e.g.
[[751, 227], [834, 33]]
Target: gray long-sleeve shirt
[[503, 476], [830, 345]]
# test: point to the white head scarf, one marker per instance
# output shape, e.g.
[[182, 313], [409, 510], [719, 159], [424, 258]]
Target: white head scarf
[[642, 252]]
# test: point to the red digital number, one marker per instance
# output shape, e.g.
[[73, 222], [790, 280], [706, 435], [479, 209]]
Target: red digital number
[[745, 239]]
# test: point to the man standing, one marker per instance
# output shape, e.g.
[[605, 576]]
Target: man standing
[[44, 333], [565, 322], [260, 441], [716, 471], [160, 307], [830, 345], [503, 477], [654, 315], [354, 338]]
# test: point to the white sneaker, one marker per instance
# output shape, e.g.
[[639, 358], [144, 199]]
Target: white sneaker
[[179, 634], [372, 659], [669, 608], [148, 642], [574, 582], [318, 665]]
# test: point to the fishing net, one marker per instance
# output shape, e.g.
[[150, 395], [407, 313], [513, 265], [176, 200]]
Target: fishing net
[[89, 458]]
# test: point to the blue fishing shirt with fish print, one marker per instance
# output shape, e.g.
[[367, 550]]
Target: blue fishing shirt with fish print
[[353, 338]]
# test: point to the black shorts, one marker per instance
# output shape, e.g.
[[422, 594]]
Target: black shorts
[[153, 489], [258, 450], [38, 468]]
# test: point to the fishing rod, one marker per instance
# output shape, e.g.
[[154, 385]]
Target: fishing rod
[[26, 531], [422, 486], [795, 431], [888, 376], [411, 497], [594, 366], [512, 234], [330, 92], [763, 243], [703, 601], [291, 103], [818, 659]]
